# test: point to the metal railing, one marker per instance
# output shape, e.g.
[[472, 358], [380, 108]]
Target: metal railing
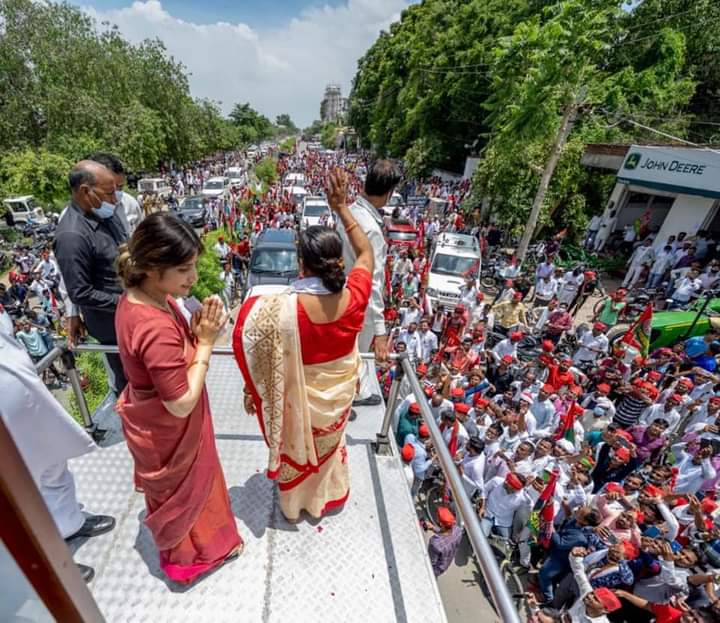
[[499, 592]]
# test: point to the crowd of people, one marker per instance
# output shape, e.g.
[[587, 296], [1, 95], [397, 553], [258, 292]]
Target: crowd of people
[[597, 463]]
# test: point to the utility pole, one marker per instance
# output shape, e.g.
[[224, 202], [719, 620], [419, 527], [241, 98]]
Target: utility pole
[[566, 126]]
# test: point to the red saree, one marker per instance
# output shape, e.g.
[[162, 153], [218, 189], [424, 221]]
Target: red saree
[[176, 461]]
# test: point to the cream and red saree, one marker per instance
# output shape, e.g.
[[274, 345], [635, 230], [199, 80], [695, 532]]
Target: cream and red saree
[[302, 409]]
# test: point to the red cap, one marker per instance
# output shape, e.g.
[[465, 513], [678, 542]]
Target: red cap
[[715, 399], [608, 599], [407, 452], [653, 491], [517, 296], [576, 389], [548, 389], [460, 308], [625, 435], [481, 402], [422, 368], [631, 550], [480, 296], [548, 346], [623, 454], [566, 361], [516, 336], [599, 326], [687, 382], [708, 505], [414, 408], [675, 397], [506, 359], [429, 391], [614, 487], [423, 431], [461, 407], [654, 376], [603, 388], [445, 517], [515, 482], [457, 391]]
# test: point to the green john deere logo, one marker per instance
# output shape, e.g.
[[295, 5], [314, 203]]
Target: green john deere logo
[[632, 161]]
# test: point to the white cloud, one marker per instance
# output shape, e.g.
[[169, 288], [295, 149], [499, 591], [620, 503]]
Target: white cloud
[[280, 70]]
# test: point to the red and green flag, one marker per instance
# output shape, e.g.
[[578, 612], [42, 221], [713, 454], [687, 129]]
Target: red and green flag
[[638, 335], [566, 428], [540, 522]]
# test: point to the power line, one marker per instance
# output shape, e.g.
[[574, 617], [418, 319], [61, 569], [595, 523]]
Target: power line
[[662, 19], [678, 28]]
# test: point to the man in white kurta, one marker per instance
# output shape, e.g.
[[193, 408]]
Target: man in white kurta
[[46, 437], [381, 179]]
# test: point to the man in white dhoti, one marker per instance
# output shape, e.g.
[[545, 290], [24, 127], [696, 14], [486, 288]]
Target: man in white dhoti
[[46, 437], [381, 179]]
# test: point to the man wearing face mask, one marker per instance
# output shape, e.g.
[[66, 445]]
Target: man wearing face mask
[[129, 209], [86, 246]]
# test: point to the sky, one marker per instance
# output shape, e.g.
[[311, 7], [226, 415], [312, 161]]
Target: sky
[[276, 54]]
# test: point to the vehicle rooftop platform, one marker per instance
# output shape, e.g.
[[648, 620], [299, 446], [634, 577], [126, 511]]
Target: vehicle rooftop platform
[[365, 563]]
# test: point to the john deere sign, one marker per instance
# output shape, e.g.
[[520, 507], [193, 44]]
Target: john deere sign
[[675, 169]]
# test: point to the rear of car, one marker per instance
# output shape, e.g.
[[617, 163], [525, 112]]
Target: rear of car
[[274, 259], [401, 235], [455, 257], [314, 209]]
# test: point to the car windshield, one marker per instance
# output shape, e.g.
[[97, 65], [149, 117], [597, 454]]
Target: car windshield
[[454, 265], [217, 185], [192, 203], [395, 200], [316, 210], [274, 261], [31, 204], [149, 186], [402, 235]]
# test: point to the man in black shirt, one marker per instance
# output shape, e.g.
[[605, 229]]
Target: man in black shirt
[[86, 246]]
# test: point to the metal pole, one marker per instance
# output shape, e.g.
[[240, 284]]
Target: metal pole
[[48, 360], [491, 572], [382, 445], [68, 359]]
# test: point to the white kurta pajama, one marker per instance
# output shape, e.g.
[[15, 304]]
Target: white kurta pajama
[[45, 434]]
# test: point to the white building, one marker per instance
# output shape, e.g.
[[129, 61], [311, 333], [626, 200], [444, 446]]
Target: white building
[[678, 188]]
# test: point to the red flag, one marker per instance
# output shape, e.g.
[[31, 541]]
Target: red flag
[[638, 335]]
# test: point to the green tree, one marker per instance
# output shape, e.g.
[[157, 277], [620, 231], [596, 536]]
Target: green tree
[[286, 123], [266, 171], [36, 172]]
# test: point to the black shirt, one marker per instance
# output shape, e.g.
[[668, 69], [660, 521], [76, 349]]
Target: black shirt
[[86, 248]]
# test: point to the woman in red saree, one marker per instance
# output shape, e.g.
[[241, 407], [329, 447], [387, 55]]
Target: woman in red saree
[[164, 408], [298, 355]]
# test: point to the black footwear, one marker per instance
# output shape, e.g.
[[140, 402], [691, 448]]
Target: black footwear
[[353, 415], [87, 573], [94, 525], [371, 401]]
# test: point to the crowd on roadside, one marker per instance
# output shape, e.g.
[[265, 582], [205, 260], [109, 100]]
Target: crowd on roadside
[[599, 462]]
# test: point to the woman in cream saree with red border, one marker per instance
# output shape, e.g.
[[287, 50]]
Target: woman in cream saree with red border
[[302, 408]]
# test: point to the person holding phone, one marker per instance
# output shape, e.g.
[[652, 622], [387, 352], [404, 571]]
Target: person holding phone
[[164, 409]]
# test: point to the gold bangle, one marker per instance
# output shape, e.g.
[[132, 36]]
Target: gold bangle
[[202, 361], [349, 229]]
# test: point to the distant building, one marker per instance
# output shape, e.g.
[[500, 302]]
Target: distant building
[[334, 106]]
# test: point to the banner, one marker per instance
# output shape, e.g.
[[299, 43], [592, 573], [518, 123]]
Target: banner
[[638, 335]]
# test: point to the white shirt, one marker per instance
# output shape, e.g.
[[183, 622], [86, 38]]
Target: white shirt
[[577, 612], [685, 288], [428, 343], [657, 412], [500, 505], [662, 263], [690, 476], [642, 255], [462, 436], [408, 315], [546, 289], [131, 211], [546, 418], [413, 343], [222, 250], [472, 474], [370, 221], [505, 347], [587, 342]]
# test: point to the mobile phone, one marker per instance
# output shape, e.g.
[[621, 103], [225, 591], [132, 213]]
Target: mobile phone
[[192, 305]]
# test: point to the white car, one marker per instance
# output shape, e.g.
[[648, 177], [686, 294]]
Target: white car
[[314, 208], [455, 257], [395, 201], [296, 193], [23, 210], [215, 187], [236, 176], [154, 186], [294, 179]]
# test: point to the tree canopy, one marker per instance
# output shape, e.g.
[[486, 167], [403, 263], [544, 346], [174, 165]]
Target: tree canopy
[[69, 87], [455, 77]]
